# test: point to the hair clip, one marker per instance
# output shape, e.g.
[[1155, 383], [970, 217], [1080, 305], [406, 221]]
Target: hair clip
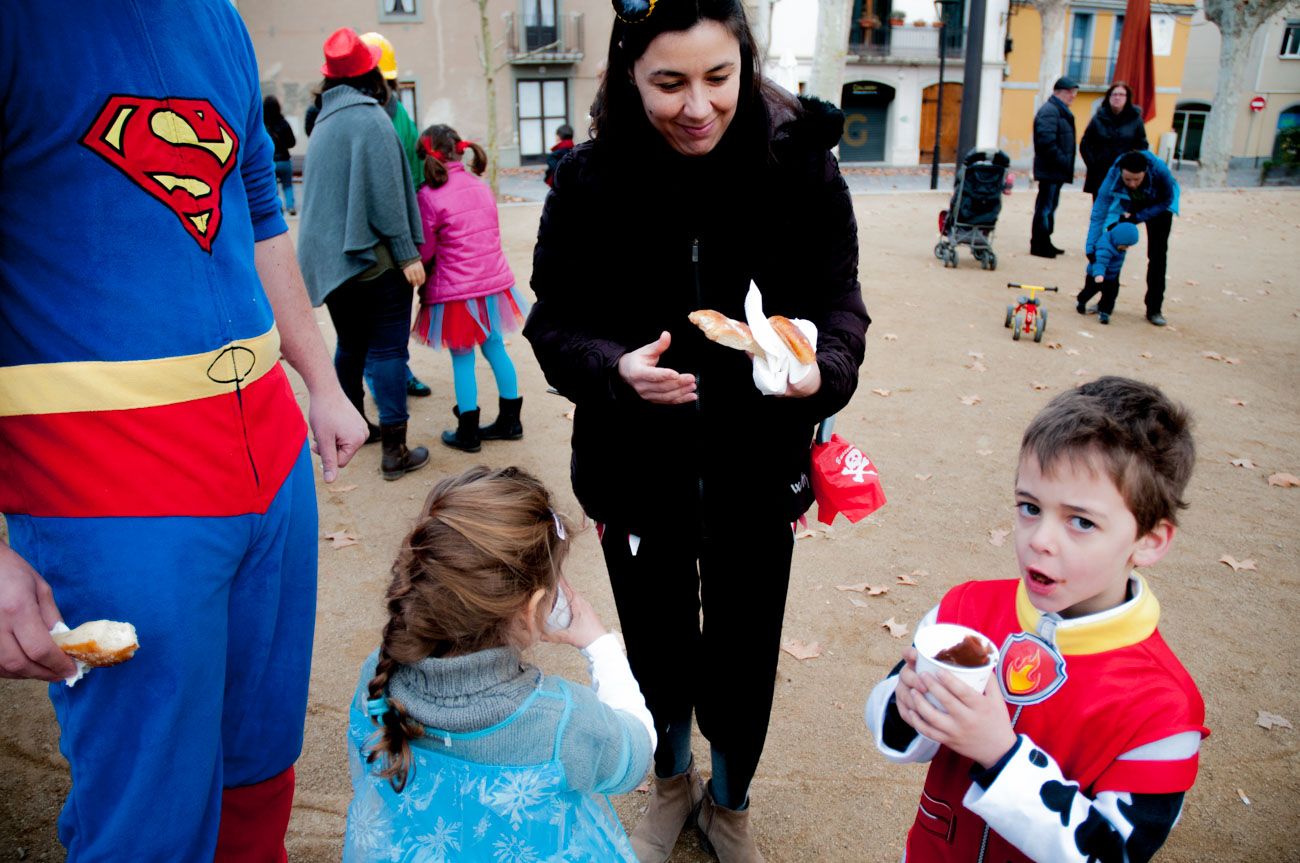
[[633, 11], [377, 707], [559, 525], [462, 146]]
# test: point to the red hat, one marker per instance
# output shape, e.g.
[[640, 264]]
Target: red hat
[[346, 56]]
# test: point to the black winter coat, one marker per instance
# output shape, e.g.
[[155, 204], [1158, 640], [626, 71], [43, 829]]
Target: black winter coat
[[1109, 136], [1054, 142], [627, 248]]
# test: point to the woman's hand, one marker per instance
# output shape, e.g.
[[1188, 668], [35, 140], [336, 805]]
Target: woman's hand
[[640, 368], [414, 273], [584, 624], [808, 384]]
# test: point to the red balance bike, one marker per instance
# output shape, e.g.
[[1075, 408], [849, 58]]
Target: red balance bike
[[1027, 316]]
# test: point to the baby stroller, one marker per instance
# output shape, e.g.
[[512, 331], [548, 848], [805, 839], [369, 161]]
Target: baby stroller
[[972, 213]]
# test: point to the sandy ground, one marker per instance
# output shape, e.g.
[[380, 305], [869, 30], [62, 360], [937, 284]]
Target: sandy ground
[[822, 793]]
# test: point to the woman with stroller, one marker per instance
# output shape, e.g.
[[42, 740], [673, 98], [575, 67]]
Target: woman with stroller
[[1115, 129], [700, 179]]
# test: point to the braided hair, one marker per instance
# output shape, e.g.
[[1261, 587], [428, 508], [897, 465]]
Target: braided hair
[[486, 541]]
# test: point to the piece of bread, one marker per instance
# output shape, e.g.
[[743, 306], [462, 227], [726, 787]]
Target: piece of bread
[[99, 642], [794, 339], [723, 330]]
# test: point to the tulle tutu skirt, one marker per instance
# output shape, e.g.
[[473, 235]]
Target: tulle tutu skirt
[[463, 325]]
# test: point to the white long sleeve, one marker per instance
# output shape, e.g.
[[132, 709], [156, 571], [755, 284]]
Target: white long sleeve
[[613, 683]]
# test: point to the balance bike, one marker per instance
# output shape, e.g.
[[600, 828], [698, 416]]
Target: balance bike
[[1028, 316]]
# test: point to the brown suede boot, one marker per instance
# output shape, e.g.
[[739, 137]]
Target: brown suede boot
[[673, 802], [725, 833]]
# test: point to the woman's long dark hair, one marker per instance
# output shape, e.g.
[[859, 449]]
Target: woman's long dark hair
[[370, 83], [271, 112], [618, 116]]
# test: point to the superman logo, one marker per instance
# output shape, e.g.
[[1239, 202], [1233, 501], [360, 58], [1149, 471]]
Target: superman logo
[[180, 151], [1029, 669]]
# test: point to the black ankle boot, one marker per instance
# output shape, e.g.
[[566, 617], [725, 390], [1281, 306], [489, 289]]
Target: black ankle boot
[[466, 435], [398, 460], [507, 425]]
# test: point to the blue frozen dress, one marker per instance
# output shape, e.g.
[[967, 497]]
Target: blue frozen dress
[[455, 810]]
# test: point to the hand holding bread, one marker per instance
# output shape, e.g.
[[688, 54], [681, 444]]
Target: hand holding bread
[[736, 334]]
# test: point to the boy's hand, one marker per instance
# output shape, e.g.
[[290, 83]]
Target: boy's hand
[[976, 724]]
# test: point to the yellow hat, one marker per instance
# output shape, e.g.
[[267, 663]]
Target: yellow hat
[[387, 59]]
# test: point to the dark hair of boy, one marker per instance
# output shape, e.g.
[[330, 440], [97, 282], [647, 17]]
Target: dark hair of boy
[[564, 132], [1134, 162], [486, 541], [1140, 436], [443, 140]]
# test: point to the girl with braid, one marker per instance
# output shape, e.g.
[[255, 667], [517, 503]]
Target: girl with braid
[[458, 748]]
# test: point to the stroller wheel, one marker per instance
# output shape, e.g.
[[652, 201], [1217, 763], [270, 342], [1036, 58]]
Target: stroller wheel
[[993, 260], [952, 257], [939, 251]]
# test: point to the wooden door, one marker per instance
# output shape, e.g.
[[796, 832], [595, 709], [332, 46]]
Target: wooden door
[[951, 121]]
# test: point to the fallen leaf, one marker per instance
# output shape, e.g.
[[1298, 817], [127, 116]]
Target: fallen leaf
[[855, 588], [1146, 355], [1272, 720], [1243, 462], [1078, 373], [1193, 282], [971, 400], [977, 366], [341, 539], [806, 533], [984, 452], [877, 590], [975, 355], [1242, 795], [1229, 293], [801, 650], [997, 536], [1054, 346], [1232, 361], [896, 629], [1212, 355], [1238, 403], [883, 393], [890, 337], [1071, 352], [906, 579], [1246, 565], [1038, 385], [568, 415], [1085, 334], [1284, 480], [924, 476], [340, 489]]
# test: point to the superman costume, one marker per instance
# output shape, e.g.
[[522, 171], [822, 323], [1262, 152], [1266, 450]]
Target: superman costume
[[152, 454], [1109, 729]]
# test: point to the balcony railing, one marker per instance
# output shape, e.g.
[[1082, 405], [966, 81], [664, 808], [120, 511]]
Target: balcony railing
[[906, 43], [1093, 71], [557, 42]]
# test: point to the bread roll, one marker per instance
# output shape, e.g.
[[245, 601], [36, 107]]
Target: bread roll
[[794, 339], [99, 642], [723, 330]]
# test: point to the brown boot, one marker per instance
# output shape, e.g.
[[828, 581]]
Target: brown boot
[[673, 802], [397, 460], [725, 833]]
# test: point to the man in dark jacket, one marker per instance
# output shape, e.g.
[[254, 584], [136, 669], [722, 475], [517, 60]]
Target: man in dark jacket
[[1054, 149]]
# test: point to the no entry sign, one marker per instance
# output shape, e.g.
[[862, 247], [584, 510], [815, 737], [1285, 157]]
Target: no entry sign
[[1258, 104]]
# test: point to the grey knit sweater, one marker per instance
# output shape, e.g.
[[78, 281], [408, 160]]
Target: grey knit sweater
[[357, 193], [603, 749]]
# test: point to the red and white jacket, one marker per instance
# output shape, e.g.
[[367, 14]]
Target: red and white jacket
[[1109, 725]]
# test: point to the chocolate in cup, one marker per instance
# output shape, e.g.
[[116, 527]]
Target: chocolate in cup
[[937, 638]]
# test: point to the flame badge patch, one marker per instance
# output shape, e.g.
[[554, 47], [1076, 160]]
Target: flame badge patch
[[180, 151], [1029, 669]]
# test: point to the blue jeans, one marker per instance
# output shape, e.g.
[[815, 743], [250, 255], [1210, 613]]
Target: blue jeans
[[284, 173], [373, 321]]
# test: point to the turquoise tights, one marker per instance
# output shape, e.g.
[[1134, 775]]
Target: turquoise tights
[[462, 373]]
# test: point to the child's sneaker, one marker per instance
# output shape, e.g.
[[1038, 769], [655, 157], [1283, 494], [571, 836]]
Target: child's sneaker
[[1103, 318]]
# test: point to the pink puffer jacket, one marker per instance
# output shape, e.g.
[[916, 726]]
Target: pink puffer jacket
[[463, 236]]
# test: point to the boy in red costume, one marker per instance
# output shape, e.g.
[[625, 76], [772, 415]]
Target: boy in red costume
[[1085, 741]]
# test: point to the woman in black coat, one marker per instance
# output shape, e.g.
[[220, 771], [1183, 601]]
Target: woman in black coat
[[1115, 128], [700, 179]]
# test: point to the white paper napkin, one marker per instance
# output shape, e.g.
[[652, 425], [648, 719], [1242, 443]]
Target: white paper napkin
[[776, 366], [81, 666]]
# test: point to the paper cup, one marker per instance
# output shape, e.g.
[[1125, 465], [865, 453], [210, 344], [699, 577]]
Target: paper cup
[[939, 636]]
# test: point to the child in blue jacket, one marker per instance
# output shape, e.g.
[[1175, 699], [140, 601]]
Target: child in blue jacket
[[1103, 272]]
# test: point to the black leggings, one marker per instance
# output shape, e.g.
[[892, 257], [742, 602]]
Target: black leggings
[[724, 670]]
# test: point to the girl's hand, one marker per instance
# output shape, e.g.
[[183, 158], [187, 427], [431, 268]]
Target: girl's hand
[[976, 724], [584, 625], [414, 273], [909, 688]]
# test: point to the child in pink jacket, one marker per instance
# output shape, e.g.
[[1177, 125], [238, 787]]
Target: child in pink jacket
[[470, 297]]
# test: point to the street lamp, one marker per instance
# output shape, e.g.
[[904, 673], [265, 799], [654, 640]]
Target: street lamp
[[941, 12]]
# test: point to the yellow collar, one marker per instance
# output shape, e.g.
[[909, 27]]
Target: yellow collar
[[1125, 624]]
